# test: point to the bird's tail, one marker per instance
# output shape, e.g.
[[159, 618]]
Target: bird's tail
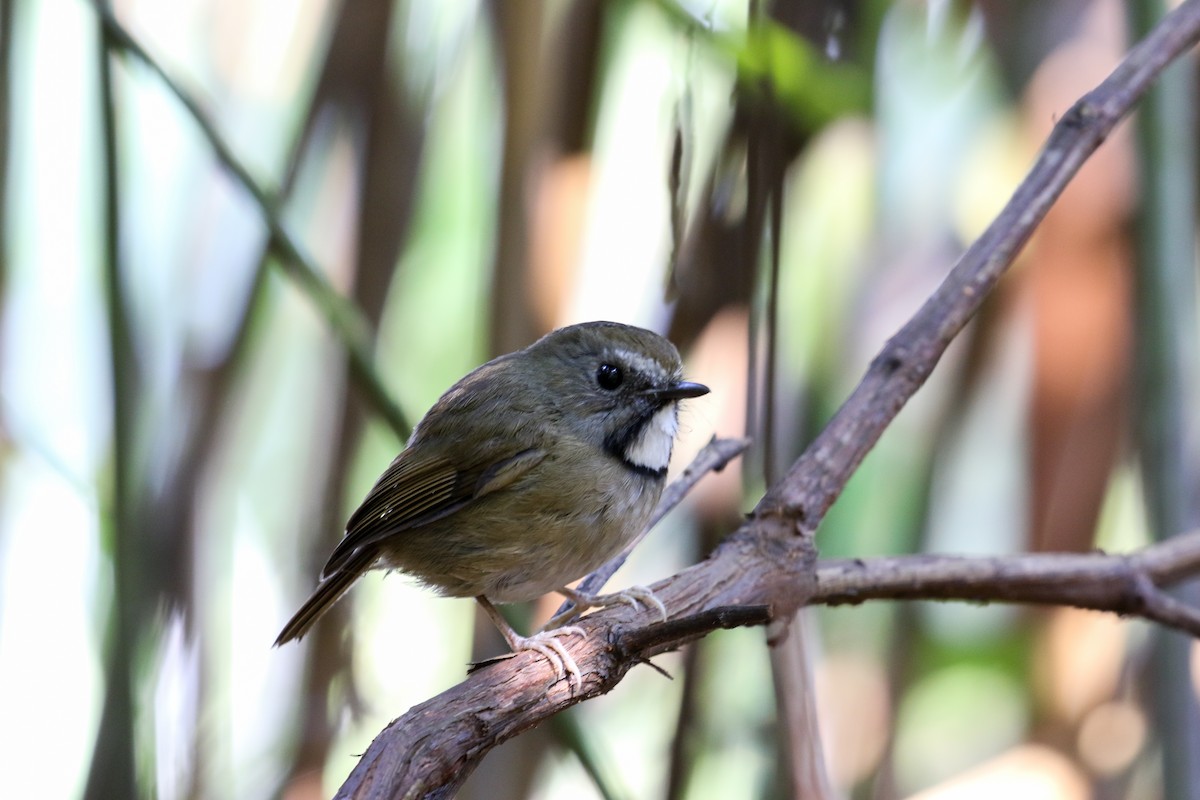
[[328, 592]]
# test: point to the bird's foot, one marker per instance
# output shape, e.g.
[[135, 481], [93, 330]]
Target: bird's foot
[[547, 643], [544, 642], [636, 596]]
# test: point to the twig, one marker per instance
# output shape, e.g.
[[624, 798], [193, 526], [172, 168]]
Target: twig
[[112, 772], [713, 457], [1164, 360], [1130, 585]]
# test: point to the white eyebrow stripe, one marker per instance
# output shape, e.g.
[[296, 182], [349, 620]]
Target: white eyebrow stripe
[[642, 364]]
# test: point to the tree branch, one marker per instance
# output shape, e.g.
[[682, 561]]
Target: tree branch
[[767, 568], [908, 358], [429, 751], [1129, 585]]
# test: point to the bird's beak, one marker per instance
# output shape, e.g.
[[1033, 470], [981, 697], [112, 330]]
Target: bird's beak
[[679, 391]]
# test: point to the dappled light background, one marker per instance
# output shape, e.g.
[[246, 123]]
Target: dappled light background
[[240, 261]]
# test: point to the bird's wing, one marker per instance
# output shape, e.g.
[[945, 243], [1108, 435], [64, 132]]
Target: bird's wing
[[416, 490]]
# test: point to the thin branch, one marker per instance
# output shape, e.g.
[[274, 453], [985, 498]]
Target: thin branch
[[113, 770], [713, 457], [346, 320], [1165, 358], [1129, 585], [769, 563]]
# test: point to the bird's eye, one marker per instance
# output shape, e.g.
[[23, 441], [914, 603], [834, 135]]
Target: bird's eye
[[609, 376]]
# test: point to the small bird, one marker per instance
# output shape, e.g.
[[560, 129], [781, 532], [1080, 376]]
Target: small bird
[[530, 472]]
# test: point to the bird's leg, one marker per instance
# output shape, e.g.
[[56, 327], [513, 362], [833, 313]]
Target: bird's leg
[[634, 596], [544, 642]]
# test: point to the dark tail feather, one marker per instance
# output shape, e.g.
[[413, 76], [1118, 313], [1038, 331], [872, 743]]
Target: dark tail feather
[[328, 592]]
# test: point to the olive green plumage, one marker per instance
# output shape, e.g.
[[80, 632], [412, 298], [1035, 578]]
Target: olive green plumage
[[527, 474]]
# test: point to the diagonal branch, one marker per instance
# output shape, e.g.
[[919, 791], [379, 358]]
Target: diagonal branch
[[767, 568], [906, 361], [712, 458]]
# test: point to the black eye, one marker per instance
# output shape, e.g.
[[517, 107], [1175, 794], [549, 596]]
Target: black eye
[[609, 376]]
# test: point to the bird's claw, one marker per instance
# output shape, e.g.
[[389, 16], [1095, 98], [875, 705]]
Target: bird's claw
[[547, 644], [636, 596]]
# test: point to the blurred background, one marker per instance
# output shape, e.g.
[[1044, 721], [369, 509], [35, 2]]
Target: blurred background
[[246, 244]]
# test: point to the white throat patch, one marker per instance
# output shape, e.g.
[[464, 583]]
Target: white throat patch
[[652, 448]]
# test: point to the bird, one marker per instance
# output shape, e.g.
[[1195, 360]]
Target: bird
[[528, 473]]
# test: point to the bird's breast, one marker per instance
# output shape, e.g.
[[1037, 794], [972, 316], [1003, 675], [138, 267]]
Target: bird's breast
[[580, 540]]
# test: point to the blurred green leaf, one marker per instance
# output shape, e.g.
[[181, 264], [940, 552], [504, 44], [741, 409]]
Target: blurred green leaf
[[779, 66]]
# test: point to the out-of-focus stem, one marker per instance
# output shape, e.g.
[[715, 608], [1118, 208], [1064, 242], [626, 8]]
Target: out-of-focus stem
[[1165, 362]]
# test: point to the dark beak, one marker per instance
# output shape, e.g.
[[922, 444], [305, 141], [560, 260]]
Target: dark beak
[[679, 391]]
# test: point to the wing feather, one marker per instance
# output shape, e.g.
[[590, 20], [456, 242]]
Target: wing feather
[[416, 490]]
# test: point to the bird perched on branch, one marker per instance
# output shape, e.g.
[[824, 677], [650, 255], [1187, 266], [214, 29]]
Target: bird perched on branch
[[530, 472]]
